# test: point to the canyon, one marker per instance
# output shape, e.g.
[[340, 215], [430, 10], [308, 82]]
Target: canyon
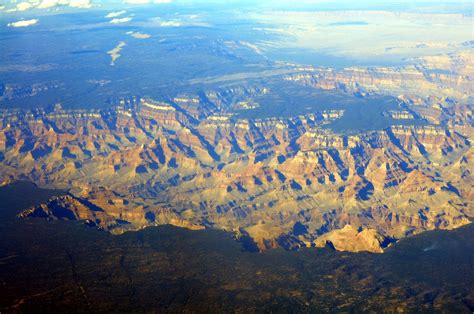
[[196, 161]]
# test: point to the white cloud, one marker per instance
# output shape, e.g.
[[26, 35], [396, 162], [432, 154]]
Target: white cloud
[[181, 21], [48, 4], [139, 35], [23, 23], [122, 20], [137, 1], [83, 4], [115, 14], [147, 1], [23, 6], [170, 24]]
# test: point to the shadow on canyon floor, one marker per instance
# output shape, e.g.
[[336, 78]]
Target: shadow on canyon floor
[[64, 265]]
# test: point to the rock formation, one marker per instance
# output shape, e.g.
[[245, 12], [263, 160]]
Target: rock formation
[[291, 182]]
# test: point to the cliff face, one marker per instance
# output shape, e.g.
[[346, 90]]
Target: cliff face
[[350, 239], [282, 182], [440, 76]]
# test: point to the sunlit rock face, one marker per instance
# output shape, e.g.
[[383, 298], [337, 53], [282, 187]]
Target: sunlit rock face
[[280, 181], [438, 76], [350, 239]]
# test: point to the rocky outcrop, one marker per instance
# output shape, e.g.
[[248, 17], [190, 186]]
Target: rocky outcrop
[[441, 76], [353, 240]]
